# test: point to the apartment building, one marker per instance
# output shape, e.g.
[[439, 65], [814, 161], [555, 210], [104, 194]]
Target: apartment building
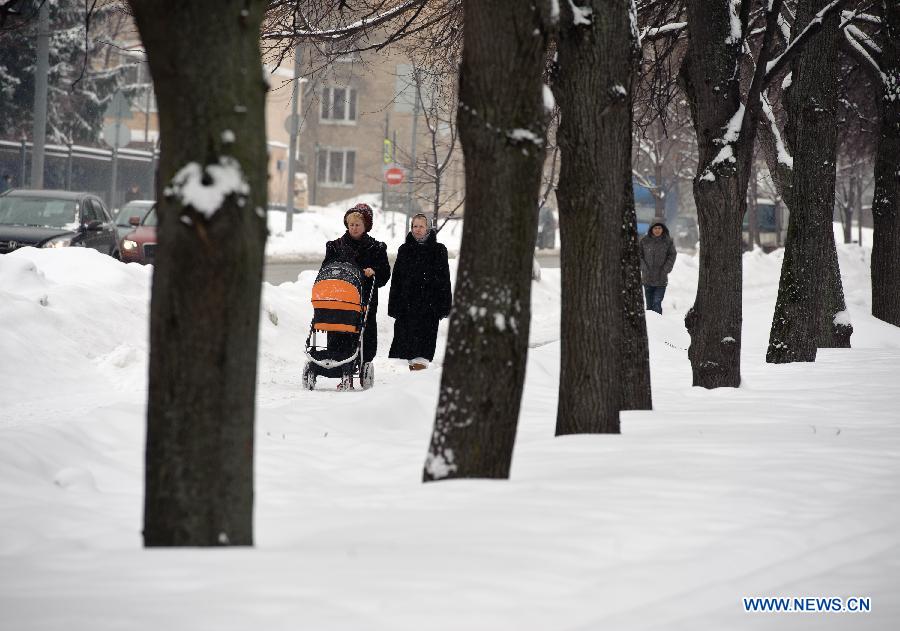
[[140, 116], [360, 115]]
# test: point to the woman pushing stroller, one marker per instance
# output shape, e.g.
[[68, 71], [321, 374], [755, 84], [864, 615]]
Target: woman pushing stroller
[[370, 258]]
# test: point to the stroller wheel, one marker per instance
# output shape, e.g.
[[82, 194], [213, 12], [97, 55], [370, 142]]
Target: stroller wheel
[[309, 377], [368, 376]]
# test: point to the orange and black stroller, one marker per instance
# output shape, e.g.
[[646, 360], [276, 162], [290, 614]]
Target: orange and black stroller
[[339, 308]]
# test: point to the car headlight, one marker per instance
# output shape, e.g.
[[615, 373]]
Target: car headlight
[[128, 244], [58, 242]]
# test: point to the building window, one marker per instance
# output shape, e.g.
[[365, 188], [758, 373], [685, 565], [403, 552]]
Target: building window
[[336, 166], [339, 105]]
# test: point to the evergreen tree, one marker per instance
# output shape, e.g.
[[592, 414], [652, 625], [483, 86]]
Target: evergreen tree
[[79, 89]]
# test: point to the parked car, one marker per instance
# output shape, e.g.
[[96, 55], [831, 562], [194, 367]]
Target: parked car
[[135, 208], [139, 246], [55, 219]]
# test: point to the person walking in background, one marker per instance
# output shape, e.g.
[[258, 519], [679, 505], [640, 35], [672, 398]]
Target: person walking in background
[[420, 294], [370, 257], [657, 260], [133, 193], [6, 183]]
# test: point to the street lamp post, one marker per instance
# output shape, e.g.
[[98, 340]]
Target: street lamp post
[[41, 70]]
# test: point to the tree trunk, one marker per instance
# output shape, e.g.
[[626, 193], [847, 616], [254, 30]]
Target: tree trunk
[[809, 310], [596, 63], [204, 316], [835, 328], [714, 321], [502, 125], [886, 199], [709, 74], [753, 210], [858, 203], [635, 376], [847, 206]]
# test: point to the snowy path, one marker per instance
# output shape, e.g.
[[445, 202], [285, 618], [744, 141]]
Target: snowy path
[[785, 486]]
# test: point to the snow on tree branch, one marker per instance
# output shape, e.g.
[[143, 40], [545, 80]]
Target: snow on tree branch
[[774, 66], [860, 17], [784, 157], [863, 38], [672, 29], [863, 56]]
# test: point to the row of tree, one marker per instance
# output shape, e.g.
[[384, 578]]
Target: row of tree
[[205, 58], [732, 53]]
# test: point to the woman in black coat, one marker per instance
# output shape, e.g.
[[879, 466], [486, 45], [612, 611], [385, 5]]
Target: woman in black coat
[[370, 256], [420, 295]]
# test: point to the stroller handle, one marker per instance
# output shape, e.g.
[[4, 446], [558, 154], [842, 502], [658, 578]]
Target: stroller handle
[[369, 301]]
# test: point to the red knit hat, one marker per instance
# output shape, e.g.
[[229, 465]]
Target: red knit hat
[[363, 209]]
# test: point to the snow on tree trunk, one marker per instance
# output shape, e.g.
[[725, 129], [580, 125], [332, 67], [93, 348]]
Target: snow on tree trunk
[[594, 72], [810, 293], [502, 123], [886, 199], [204, 317]]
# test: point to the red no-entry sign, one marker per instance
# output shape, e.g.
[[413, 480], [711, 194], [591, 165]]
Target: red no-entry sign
[[393, 176]]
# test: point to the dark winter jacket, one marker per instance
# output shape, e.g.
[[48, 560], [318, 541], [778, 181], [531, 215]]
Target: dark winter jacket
[[365, 252], [420, 296], [657, 257]]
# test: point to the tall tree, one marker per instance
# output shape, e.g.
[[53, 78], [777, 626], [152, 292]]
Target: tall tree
[[725, 118], [710, 74], [204, 315], [879, 55], [810, 310], [502, 126], [886, 200], [596, 65]]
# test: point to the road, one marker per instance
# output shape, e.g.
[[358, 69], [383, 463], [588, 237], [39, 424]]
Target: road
[[283, 272]]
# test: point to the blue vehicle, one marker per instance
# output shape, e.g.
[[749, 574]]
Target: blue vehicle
[[771, 223], [644, 207]]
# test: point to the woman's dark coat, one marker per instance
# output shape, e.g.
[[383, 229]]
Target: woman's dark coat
[[657, 257], [420, 297], [365, 252]]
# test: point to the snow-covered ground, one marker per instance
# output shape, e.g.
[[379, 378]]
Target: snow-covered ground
[[787, 486]]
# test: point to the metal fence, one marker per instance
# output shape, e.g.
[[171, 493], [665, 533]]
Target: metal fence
[[80, 168]]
